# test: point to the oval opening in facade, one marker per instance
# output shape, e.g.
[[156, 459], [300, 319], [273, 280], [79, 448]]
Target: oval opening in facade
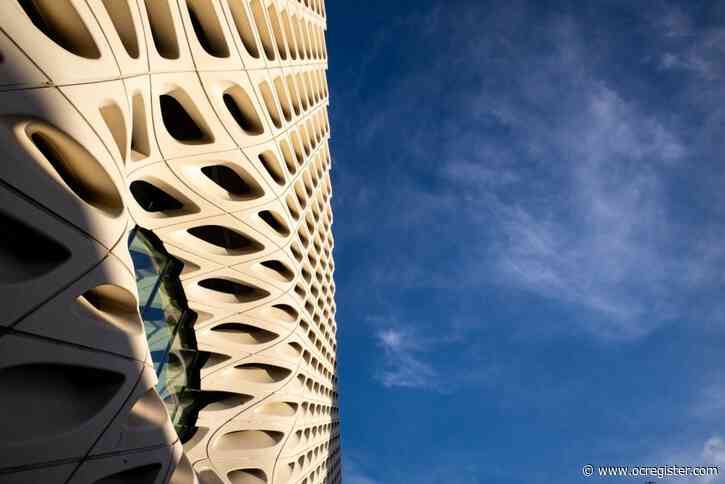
[[275, 222], [26, 253], [162, 28], [244, 27], [179, 123], [232, 291], [206, 26], [242, 109], [272, 166], [122, 20], [153, 199], [237, 186], [80, 171], [61, 23], [233, 242], [244, 333]]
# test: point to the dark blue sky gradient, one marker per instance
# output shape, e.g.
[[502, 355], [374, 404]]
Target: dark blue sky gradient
[[529, 223]]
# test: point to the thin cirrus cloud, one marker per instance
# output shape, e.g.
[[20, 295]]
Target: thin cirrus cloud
[[405, 364], [537, 218], [354, 472], [559, 180], [582, 232], [603, 245], [699, 453]]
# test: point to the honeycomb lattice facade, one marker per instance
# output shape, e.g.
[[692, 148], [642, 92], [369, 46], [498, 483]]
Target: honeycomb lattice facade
[[204, 121]]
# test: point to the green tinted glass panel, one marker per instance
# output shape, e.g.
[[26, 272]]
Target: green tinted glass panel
[[148, 263], [168, 324], [161, 320]]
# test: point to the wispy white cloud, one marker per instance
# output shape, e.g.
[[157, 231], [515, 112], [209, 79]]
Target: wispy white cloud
[[707, 452], [405, 364], [713, 454], [569, 197], [702, 445], [534, 171], [698, 51], [355, 478], [597, 229], [601, 241], [353, 471]]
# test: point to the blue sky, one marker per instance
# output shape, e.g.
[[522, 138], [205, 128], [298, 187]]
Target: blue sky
[[529, 210]]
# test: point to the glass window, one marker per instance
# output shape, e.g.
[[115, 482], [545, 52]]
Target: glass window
[[168, 323]]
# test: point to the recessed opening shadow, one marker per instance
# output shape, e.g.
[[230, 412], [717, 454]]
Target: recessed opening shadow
[[264, 35], [247, 476], [233, 242], [139, 475], [277, 30], [78, 169], [283, 99], [208, 476], [140, 146], [113, 117], [153, 199], [149, 411], [238, 187], [221, 401], [270, 104], [281, 271], [289, 35], [275, 222], [262, 373], [244, 333], [292, 206], [114, 305], [244, 27], [208, 359], [206, 26], [287, 155], [25, 253], [162, 28], [179, 123], [242, 109], [233, 291], [122, 20], [61, 23], [271, 165], [283, 312], [77, 393], [277, 409]]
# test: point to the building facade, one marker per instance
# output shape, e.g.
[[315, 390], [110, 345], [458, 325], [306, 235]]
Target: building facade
[[166, 251]]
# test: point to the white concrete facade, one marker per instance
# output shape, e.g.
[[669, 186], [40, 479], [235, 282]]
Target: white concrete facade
[[206, 122]]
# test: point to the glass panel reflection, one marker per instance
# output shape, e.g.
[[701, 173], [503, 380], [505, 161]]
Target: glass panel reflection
[[168, 323]]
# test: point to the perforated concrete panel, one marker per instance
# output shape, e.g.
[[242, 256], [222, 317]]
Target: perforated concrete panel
[[206, 122]]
